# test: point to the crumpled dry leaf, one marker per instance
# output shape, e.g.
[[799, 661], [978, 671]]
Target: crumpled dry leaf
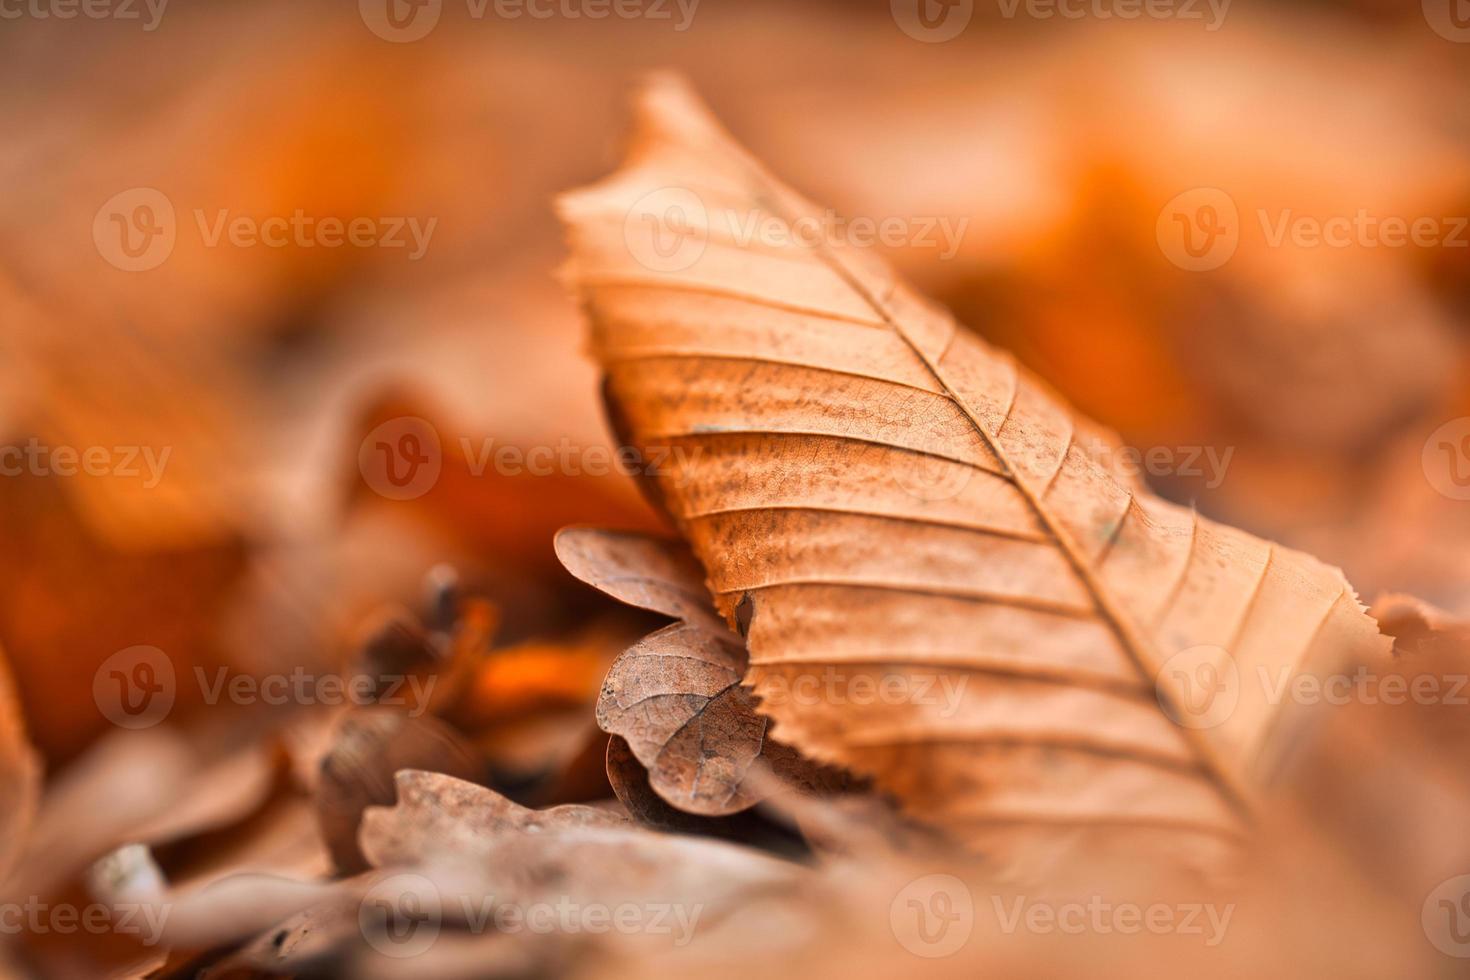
[[760, 826], [203, 809], [475, 847], [676, 695], [435, 813], [880, 498], [439, 818], [159, 786]]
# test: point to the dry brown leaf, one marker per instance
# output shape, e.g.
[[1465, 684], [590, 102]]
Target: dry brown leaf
[[159, 786], [475, 847], [439, 818], [879, 498], [436, 813], [174, 797], [754, 828], [369, 745], [1418, 627], [676, 696]]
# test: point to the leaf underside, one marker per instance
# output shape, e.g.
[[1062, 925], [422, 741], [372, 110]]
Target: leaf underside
[[676, 695]]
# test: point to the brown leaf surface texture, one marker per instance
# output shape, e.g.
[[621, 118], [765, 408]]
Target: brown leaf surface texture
[[880, 498], [676, 695], [436, 813]]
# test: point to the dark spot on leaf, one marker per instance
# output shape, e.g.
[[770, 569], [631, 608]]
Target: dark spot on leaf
[[744, 614]]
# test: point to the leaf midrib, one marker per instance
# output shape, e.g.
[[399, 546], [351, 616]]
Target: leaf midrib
[[1231, 789]]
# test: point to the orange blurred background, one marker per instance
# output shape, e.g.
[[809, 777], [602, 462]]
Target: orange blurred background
[[170, 290]]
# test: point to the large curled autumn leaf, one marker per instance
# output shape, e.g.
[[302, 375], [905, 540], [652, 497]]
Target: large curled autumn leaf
[[943, 580]]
